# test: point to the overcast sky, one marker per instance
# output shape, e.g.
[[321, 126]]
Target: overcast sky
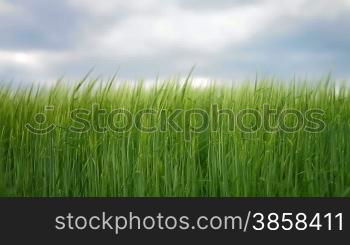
[[42, 40]]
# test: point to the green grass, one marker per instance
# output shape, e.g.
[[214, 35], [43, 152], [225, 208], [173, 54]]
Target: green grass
[[219, 163]]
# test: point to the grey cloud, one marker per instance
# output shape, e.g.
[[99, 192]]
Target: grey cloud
[[315, 35], [40, 24], [214, 5], [313, 46]]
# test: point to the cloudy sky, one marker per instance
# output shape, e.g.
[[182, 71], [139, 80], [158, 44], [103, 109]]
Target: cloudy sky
[[41, 40]]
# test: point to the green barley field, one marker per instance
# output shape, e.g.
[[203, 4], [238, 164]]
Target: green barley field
[[89, 139]]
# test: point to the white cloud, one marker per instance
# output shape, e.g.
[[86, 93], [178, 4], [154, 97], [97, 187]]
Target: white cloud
[[6, 7], [111, 7], [34, 65], [141, 31], [30, 59], [154, 27], [174, 28], [308, 8]]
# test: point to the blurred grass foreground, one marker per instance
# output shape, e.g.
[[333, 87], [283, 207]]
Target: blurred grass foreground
[[262, 138]]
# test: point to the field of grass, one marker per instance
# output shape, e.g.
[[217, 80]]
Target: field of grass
[[195, 161]]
